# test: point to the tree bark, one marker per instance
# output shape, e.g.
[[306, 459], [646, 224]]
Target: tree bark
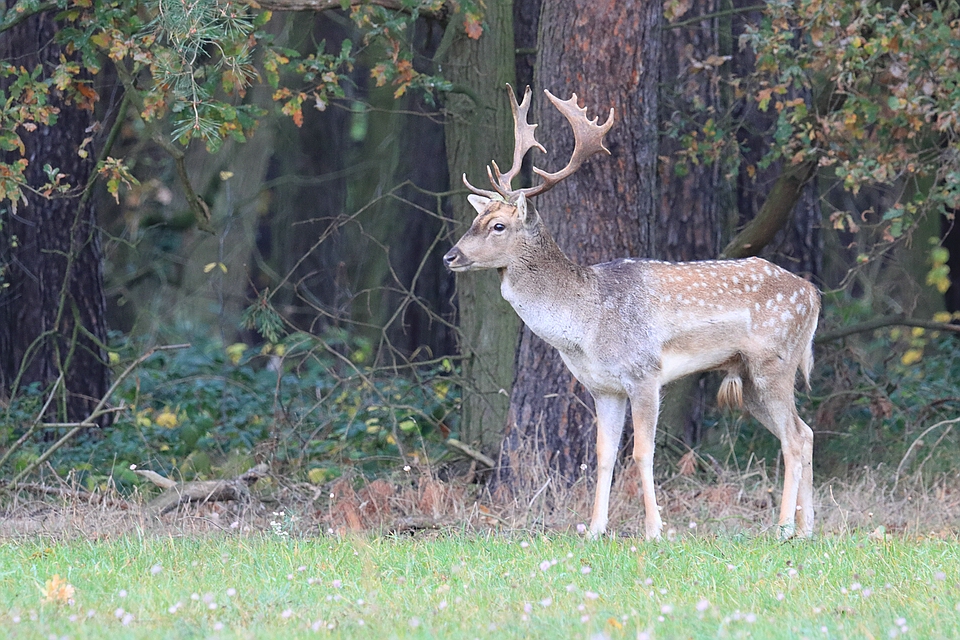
[[479, 126], [694, 196], [782, 199], [52, 314], [609, 54]]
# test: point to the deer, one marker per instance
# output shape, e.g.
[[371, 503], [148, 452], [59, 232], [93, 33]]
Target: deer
[[628, 327]]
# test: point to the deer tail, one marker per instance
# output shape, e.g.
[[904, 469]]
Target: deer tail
[[731, 391], [806, 363]]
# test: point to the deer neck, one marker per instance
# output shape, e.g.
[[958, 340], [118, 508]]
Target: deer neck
[[549, 291]]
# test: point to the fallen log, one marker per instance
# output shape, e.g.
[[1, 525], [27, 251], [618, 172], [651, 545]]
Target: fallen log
[[202, 491]]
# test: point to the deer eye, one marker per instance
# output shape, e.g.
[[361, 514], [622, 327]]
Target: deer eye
[[499, 226]]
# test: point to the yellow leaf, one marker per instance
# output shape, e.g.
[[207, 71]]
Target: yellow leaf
[[210, 266], [57, 590], [316, 475], [226, 175], [912, 356], [166, 419], [101, 39], [114, 357], [942, 316], [916, 332], [235, 352]]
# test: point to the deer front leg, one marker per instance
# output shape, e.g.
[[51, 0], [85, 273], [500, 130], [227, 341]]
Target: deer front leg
[[645, 406], [610, 414]]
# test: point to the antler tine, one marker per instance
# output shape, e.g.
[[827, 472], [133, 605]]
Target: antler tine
[[524, 140], [482, 192], [588, 136]]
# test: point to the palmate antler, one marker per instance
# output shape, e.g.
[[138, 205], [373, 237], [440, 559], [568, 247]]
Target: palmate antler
[[588, 136]]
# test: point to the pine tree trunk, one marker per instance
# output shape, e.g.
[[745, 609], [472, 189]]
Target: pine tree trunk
[[692, 195], [479, 125], [52, 314], [609, 55]]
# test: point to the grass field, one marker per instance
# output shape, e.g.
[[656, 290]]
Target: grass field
[[475, 585]]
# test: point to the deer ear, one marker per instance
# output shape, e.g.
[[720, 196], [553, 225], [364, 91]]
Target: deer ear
[[479, 202], [526, 212]]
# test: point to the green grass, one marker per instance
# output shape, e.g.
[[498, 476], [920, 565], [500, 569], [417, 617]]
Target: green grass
[[476, 585]]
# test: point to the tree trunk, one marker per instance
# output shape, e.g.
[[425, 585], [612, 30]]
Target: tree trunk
[[479, 124], [693, 196], [789, 194], [52, 314], [609, 55]]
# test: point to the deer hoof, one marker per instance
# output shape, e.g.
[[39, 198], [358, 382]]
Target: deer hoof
[[786, 531]]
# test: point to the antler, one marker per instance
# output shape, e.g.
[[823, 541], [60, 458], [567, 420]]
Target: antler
[[523, 134], [588, 136]]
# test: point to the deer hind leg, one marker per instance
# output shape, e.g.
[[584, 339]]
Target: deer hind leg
[[644, 407], [610, 415], [770, 400], [805, 513]]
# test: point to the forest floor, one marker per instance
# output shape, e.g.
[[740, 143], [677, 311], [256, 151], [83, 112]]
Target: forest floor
[[416, 502]]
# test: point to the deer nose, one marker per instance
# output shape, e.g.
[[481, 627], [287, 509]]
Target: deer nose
[[451, 257]]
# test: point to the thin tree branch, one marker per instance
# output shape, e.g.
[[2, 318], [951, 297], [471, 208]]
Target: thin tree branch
[[75, 494], [715, 14], [323, 5], [33, 427], [466, 449], [885, 321], [22, 10], [107, 147], [919, 440], [199, 208]]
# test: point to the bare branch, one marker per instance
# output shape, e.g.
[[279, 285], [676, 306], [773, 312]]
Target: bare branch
[[199, 208], [886, 321], [321, 5], [22, 10], [485, 460], [774, 214], [918, 441]]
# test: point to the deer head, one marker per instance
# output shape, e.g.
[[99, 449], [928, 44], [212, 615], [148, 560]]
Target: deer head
[[505, 221]]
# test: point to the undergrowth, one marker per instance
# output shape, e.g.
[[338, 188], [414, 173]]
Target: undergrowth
[[311, 406], [318, 408]]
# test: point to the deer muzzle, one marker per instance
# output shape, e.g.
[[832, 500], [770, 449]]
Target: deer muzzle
[[455, 260]]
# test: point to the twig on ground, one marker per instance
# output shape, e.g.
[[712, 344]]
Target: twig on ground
[[203, 491], [156, 478], [74, 494], [466, 449]]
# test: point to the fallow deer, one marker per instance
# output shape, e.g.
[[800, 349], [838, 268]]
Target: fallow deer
[[628, 327]]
